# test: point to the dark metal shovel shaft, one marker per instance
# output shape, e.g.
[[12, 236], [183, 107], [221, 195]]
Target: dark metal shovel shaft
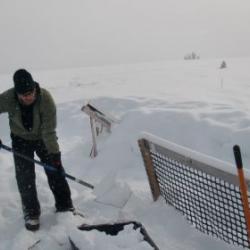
[[46, 166]]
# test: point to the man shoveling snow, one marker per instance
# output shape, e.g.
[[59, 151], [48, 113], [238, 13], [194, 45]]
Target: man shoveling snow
[[32, 119]]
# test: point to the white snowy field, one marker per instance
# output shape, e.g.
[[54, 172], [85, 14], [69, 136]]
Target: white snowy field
[[192, 103]]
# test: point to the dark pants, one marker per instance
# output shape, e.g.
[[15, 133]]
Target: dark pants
[[25, 176]]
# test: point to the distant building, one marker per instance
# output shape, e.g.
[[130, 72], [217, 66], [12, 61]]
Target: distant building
[[191, 56]]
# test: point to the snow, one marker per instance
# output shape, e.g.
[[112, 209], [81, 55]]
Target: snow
[[193, 104], [110, 191]]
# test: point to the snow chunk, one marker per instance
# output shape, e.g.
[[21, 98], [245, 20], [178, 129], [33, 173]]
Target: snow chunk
[[112, 192]]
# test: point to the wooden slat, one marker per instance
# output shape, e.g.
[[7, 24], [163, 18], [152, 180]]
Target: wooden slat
[[94, 148], [153, 182]]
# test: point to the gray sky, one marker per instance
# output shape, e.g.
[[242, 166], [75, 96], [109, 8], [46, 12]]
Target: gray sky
[[49, 34]]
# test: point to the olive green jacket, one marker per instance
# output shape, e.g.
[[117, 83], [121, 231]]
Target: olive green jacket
[[44, 118]]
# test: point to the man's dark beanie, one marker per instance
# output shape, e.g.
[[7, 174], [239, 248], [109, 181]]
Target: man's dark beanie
[[23, 81]]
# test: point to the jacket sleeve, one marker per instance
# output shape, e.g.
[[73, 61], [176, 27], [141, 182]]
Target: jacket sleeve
[[4, 102], [48, 123]]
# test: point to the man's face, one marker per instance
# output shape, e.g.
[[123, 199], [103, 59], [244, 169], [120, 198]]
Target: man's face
[[27, 98]]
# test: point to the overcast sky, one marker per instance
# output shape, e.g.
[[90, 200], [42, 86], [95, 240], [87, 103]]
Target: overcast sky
[[49, 34]]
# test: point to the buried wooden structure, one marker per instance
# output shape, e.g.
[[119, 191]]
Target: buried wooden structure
[[98, 120]]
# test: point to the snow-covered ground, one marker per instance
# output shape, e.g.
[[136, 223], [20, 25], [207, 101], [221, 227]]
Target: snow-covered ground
[[192, 103]]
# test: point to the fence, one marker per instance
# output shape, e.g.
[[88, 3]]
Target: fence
[[204, 189]]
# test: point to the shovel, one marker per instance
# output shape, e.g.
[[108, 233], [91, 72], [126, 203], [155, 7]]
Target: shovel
[[105, 192], [46, 166]]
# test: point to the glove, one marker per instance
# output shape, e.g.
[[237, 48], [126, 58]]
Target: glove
[[55, 161]]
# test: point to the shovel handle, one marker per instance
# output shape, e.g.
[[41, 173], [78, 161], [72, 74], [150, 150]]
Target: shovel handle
[[45, 166]]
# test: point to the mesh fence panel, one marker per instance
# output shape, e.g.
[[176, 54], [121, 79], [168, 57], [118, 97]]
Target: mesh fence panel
[[210, 202]]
